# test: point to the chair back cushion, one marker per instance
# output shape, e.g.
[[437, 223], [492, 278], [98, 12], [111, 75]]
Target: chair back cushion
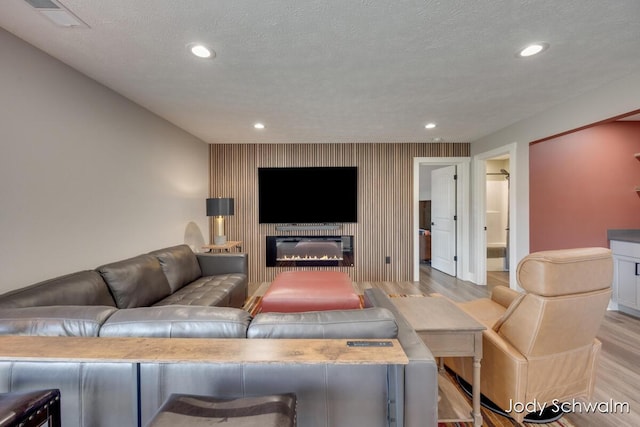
[[80, 288], [568, 294], [136, 282], [542, 326], [566, 271], [55, 321], [179, 264], [178, 321]]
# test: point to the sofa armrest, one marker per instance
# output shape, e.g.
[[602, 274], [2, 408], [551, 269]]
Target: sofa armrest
[[504, 296], [223, 263], [421, 374]]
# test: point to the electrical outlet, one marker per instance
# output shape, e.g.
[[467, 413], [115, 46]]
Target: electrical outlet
[[387, 260]]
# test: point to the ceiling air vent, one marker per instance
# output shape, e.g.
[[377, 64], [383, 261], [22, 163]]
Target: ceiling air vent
[[43, 4], [57, 13]]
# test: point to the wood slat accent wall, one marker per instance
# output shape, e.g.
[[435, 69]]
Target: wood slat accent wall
[[385, 191]]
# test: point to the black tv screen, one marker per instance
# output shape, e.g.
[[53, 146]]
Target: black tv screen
[[308, 195]]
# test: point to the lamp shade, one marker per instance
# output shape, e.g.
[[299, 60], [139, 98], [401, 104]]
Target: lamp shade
[[220, 206]]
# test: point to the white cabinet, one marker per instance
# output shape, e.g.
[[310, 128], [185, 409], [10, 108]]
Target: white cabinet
[[626, 273]]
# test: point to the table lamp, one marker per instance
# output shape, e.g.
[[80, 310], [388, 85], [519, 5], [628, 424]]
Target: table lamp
[[218, 208]]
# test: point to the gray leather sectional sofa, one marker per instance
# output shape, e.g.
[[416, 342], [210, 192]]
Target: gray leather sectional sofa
[[176, 293], [171, 276]]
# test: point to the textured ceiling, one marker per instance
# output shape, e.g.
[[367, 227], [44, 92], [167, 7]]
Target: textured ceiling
[[338, 70]]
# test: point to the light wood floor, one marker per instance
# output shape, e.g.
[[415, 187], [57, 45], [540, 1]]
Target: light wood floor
[[497, 278], [618, 377]]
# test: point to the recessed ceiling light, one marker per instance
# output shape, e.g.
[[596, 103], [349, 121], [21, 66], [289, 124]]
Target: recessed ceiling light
[[259, 126], [533, 49], [201, 51], [430, 126]]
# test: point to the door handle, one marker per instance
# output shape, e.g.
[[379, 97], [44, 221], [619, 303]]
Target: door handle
[[637, 269]]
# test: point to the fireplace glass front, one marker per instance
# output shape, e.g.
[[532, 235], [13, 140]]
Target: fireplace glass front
[[300, 251]]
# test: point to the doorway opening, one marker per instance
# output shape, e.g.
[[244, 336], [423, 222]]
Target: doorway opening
[[497, 220], [494, 226], [455, 252]]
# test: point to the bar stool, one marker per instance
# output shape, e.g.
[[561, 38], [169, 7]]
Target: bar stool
[[278, 410], [30, 409]]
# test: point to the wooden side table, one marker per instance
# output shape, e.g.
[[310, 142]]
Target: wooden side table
[[226, 247], [448, 332]]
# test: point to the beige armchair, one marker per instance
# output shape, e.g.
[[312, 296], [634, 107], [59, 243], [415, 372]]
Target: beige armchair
[[540, 346]]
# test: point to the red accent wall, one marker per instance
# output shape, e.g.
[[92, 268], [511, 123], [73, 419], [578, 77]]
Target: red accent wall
[[583, 184]]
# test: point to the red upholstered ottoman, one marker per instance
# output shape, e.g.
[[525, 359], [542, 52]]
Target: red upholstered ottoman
[[294, 291]]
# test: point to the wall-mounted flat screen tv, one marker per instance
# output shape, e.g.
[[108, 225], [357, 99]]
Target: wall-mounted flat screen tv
[[300, 195]]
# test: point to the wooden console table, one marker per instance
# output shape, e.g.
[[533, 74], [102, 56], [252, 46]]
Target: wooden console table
[[448, 332], [199, 350], [224, 248]]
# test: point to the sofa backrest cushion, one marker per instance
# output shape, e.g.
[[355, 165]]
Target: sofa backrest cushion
[[179, 264], [177, 321], [81, 288], [58, 321], [136, 282], [373, 322]]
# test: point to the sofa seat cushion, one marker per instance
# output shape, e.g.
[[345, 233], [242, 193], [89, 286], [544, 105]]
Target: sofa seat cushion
[[179, 264], [136, 282], [178, 322], [206, 291], [81, 288], [56, 321], [375, 322]]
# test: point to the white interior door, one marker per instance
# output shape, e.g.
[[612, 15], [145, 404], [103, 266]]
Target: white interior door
[[443, 219]]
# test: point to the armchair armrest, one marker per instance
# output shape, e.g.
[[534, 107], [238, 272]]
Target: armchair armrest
[[223, 263], [496, 342], [504, 370], [504, 296]]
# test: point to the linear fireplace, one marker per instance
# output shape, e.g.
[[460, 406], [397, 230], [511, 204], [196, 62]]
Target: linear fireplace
[[310, 251]]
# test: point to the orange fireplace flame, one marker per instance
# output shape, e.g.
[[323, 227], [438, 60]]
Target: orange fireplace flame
[[309, 258]]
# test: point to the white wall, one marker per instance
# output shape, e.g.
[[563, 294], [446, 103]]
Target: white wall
[[86, 176], [611, 100]]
